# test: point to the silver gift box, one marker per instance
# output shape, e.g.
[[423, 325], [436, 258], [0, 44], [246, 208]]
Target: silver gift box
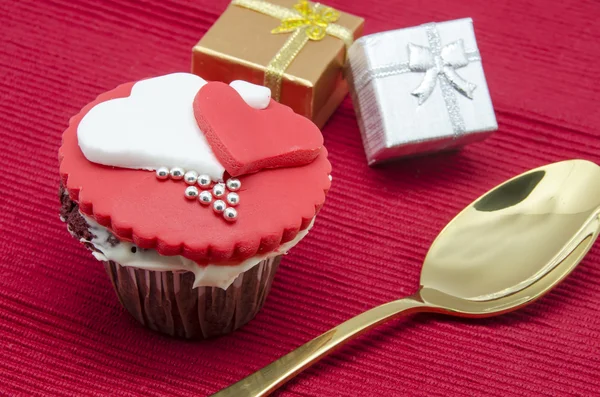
[[419, 90]]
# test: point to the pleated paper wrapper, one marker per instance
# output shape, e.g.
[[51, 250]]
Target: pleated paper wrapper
[[166, 301]]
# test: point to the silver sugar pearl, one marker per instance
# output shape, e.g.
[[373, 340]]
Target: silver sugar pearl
[[234, 184], [190, 177], [230, 214], [205, 197], [219, 190], [191, 192], [162, 173], [219, 206], [233, 199], [204, 181], [177, 173]]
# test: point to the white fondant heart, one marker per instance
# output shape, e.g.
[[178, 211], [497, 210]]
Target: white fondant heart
[[155, 126]]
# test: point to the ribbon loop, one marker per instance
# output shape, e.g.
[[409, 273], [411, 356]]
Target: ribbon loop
[[454, 55], [420, 59]]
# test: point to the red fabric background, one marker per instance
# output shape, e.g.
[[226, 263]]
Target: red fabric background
[[63, 332]]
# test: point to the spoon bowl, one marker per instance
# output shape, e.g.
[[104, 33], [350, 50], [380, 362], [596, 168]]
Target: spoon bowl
[[516, 242], [505, 250]]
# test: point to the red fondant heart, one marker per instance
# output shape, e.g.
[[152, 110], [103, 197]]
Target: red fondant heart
[[246, 140]]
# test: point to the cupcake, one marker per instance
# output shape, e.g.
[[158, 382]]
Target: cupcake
[[189, 193]]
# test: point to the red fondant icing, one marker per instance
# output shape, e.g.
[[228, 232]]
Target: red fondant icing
[[275, 204], [247, 140]]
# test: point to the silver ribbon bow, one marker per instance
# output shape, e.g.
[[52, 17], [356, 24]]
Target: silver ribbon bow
[[438, 65]]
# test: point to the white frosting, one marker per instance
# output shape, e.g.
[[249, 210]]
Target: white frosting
[[256, 96], [155, 126], [206, 276]]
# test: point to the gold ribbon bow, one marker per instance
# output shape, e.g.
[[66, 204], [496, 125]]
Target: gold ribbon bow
[[306, 22]]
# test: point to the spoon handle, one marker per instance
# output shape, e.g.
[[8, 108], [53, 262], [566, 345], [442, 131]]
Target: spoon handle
[[268, 379]]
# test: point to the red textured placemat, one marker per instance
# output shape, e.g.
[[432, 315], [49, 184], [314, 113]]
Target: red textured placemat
[[63, 332]]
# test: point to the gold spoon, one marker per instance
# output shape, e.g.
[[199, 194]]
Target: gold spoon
[[503, 251]]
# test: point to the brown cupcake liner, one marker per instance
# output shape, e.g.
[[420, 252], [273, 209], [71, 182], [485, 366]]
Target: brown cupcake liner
[[166, 301]]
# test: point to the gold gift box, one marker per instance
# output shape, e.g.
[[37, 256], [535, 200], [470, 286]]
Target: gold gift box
[[241, 45]]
